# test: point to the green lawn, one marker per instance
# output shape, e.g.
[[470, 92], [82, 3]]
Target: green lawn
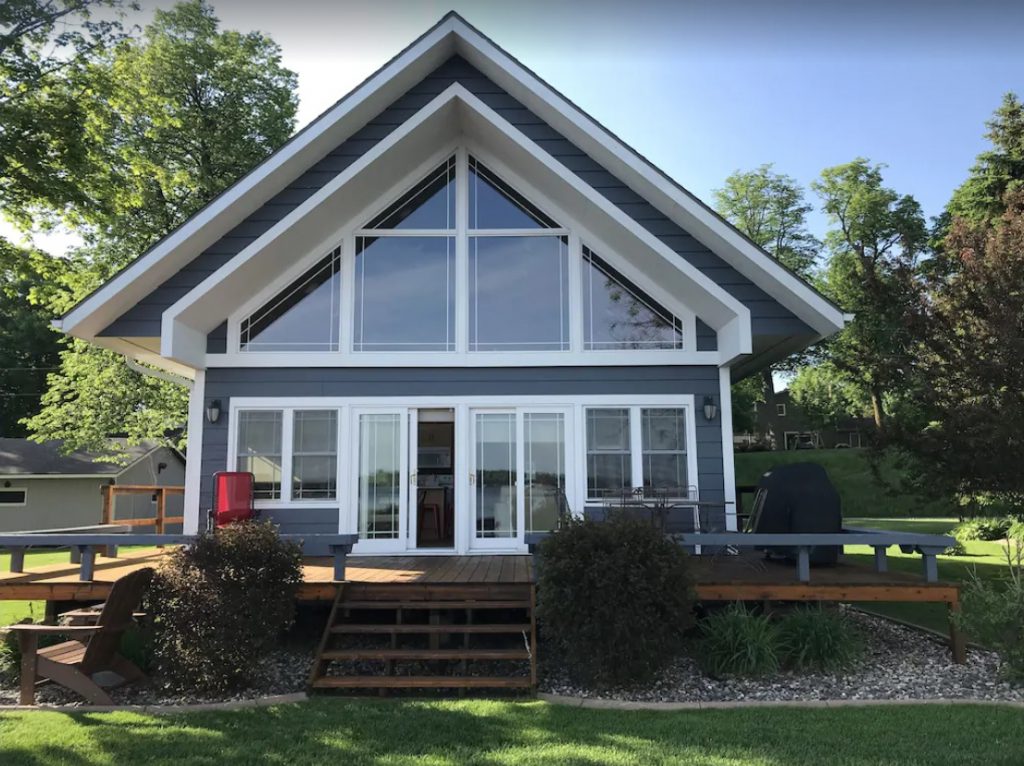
[[13, 611], [860, 489], [988, 559], [366, 731]]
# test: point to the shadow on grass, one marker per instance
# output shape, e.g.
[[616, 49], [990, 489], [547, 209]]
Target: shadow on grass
[[361, 731]]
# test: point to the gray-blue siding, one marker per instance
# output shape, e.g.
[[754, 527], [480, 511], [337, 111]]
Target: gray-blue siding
[[769, 317], [224, 384]]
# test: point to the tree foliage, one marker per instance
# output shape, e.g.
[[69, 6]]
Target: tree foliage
[[826, 396], [876, 239], [178, 116], [967, 377], [997, 171], [770, 209]]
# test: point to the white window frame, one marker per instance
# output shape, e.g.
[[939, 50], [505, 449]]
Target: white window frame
[[573, 406], [577, 235], [636, 449], [780, 410], [24, 497], [287, 448]]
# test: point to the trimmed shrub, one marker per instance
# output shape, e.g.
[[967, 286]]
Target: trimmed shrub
[[983, 528], [993, 613], [614, 599], [956, 549], [220, 605], [815, 638], [737, 642]]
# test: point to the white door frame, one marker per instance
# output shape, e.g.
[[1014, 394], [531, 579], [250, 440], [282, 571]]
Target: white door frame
[[400, 543]]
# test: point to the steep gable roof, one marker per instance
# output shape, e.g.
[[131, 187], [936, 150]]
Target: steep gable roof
[[452, 36]]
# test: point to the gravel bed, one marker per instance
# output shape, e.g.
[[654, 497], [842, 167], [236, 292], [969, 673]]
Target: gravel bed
[[283, 672], [900, 664]]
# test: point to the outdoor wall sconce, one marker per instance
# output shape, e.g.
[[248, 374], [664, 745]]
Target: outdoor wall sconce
[[710, 408], [213, 411]]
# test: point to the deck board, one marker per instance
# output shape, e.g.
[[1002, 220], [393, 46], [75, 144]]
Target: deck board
[[745, 577]]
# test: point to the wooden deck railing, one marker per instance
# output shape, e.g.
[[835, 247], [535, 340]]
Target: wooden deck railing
[[158, 522]]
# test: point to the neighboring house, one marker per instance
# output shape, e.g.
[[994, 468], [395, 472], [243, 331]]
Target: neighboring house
[[783, 425], [42, 488], [450, 298]]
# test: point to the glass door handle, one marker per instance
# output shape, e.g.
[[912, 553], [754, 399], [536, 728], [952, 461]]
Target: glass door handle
[[412, 479], [472, 479]]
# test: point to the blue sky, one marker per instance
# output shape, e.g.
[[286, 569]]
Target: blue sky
[[705, 88]]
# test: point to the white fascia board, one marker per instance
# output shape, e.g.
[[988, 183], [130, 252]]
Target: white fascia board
[[205, 305], [677, 204], [233, 206], [126, 348]]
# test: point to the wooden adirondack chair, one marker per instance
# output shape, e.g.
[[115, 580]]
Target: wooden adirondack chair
[[71, 664]]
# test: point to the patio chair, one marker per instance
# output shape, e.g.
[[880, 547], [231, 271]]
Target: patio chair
[[73, 664]]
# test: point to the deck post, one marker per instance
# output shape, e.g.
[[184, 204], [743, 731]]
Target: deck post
[[107, 490], [803, 563], [881, 563], [340, 561], [957, 644], [17, 559], [88, 554], [931, 566]]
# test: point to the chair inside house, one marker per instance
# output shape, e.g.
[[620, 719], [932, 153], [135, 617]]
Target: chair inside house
[[75, 664]]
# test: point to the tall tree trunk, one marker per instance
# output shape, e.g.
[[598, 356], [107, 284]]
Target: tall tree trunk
[[878, 409], [769, 403]]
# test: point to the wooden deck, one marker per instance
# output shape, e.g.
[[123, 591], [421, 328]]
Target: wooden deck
[[59, 582]]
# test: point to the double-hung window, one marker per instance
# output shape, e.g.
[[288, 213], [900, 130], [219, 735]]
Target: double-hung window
[[301, 445], [631, 447]]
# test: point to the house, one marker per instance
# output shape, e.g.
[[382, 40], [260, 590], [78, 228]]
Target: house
[[43, 488], [447, 303], [783, 425]]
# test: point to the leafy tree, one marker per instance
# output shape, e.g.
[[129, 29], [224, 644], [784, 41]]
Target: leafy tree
[[746, 395], [771, 210], [996, 171], [826, 396], [28, 346], [968, 377], [874, 246], [183, 113], [45, 46]]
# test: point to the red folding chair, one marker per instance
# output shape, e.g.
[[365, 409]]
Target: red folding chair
[[232, 498]]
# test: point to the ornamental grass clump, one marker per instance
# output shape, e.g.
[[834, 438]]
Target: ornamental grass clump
[[221, 604], [735, 641], [614, 599], [813, 638]]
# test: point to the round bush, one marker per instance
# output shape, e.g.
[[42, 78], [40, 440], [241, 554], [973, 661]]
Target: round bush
[[983, 528], [614, 599], [221, 603], [737, 642]]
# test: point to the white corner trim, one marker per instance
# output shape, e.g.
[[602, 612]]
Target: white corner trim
[[728, 448], [194, 455]]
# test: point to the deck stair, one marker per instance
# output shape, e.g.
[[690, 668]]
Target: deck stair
[[437, 636]]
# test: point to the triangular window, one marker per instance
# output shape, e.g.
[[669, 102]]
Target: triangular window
[[493, 204], [305, 316], [430, 204], [618, 315]]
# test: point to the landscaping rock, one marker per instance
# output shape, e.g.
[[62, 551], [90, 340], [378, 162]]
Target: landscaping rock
[[900, 664]]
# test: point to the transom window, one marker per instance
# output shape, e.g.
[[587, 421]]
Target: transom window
[[461, 261]]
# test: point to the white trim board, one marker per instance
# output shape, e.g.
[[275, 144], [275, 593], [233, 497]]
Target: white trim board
[[451, 35]]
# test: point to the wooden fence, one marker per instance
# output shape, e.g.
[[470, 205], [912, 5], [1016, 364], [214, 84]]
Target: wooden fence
[[158, 522]]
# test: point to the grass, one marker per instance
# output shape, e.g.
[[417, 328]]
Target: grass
[[987, 558], [859, 487], [437, 733]]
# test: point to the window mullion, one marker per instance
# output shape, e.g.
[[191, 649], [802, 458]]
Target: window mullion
[[461, 251], [575, 294], [287, 446], [636, 446]]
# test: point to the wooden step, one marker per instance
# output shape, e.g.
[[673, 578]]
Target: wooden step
[[429, 629], [459, 605], [422, 682], [425, 654], [434, 592]]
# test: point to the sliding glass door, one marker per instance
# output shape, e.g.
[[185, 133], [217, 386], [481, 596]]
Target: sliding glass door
[[518, 474], [381, 478]]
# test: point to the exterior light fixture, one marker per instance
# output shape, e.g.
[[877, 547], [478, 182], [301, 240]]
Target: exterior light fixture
[[213, 411], [710, 408]]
